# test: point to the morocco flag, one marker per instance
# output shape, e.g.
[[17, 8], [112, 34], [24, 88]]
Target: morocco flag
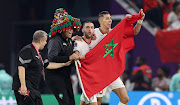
[[106, 61], [168, 44]]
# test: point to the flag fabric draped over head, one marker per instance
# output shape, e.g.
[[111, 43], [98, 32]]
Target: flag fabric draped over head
[[106, 61], [168, 44]]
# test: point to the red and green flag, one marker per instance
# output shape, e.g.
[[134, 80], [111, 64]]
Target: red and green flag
[[106, 61], [168, 44]]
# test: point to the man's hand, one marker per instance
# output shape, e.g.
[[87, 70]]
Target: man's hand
[[67, 63], [142, 14], [23, 90], [94, 37], [78, 38], [74, 57], [82, 57]]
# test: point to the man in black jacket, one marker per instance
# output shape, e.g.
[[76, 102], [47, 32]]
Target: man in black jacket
[[60, 49]]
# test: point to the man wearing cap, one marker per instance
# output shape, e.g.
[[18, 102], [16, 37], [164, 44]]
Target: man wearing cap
[[60, 49]]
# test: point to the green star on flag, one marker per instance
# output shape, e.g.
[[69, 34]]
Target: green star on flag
[[107, 46], [178, 44]]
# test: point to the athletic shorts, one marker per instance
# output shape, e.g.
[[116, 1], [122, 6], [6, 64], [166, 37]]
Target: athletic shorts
[[114, 85], [91, 100]]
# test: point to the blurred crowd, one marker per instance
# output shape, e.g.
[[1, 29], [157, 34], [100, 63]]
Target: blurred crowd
[[141, 78], [163, 13]]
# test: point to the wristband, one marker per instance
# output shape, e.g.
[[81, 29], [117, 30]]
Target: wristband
[[140, 21], [63, 64]]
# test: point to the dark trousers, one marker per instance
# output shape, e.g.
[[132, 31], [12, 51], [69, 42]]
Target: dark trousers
[[34, 98], [61, 87]]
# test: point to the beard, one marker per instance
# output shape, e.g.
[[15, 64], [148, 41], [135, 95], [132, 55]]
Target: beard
[[87, 36]]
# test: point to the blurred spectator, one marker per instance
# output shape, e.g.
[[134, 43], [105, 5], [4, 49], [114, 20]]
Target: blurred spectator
[[167, 75], [125, 79], [161, 83], [149, 4], [175, 81], [158, 15], [139, 3], [5, 82], [173, 15], [32, 9], [142, 75], [176, 24], [155, 15]]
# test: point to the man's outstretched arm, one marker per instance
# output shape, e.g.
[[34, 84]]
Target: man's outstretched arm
[[139, 23]]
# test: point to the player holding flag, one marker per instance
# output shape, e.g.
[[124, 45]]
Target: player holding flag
[[123, 34]]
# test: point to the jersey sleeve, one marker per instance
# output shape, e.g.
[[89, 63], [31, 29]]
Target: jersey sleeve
[[76, 46], [25, 57]]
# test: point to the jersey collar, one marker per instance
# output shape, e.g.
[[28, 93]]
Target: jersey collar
[[85, 40], [102, 32]]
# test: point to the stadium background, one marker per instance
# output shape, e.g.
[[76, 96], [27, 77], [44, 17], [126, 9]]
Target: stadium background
[[20, 18]]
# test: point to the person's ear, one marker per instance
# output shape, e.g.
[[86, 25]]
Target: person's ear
[[40, 41], [82, 30], [100, 19]]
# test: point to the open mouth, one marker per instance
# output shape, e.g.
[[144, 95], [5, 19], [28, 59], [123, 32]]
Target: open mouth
[[89, 33]]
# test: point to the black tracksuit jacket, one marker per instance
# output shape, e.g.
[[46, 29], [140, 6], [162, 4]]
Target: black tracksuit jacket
[[58, 80]]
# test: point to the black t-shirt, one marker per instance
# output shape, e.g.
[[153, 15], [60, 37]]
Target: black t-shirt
[[29, 59]]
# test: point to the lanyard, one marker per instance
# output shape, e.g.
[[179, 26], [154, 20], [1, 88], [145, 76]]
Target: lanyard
[[40, 58]]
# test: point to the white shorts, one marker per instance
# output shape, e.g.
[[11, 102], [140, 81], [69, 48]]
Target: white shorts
[[102, 92], [114, 85], [91, 100]]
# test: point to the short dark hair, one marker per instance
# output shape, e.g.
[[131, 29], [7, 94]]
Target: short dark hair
[[38, 35], [87, 22], [101, 14]]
